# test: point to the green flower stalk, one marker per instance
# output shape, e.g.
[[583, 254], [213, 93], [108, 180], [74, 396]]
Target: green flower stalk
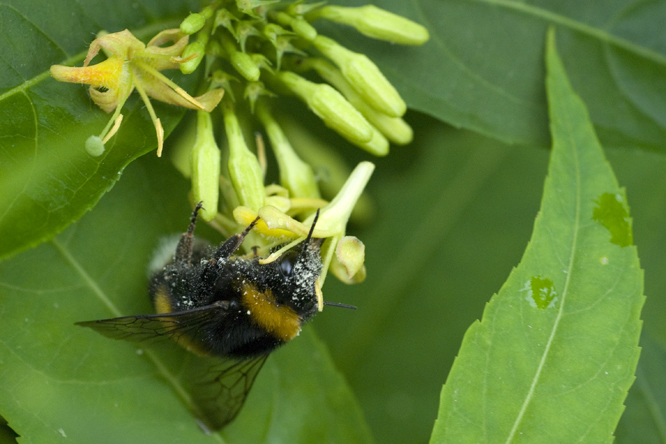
[[244, 169], [295, 175], [205, 166]]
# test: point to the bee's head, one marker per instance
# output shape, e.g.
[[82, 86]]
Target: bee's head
[[297, 271]]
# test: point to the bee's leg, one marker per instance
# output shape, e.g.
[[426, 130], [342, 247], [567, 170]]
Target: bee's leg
[[184, 248], [230, 245]]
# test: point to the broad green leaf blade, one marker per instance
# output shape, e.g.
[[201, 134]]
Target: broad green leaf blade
[[556, 350], [57, 379], [482, 68], [644, 419], [47, 178]]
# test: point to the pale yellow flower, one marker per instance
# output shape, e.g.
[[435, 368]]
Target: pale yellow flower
[[132, 64]]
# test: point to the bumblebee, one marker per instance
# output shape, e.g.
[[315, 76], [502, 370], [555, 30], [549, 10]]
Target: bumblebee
[[232, 310]]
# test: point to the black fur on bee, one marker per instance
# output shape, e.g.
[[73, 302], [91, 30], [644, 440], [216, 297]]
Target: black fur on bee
[[231, 309]]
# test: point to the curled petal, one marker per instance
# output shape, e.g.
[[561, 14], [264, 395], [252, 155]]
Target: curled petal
[[168, 35], [210, 99], [165, 54], [121, 44]]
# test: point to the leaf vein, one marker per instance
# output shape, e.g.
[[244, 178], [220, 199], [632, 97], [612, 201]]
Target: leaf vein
[[581, 27], [570, 266], [161, 368]]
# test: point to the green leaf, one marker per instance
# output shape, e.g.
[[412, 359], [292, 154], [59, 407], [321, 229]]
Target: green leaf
[[482, 68], [57, 379], [558, 344], [48, 180], [644, 420]]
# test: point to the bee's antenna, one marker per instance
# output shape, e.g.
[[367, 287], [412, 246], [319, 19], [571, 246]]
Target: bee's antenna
[[184, 248], [306, 243], [314, 222], [338, 304]]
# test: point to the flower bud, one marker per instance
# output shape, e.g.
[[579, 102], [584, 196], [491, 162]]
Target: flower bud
[[192, 23], [341, 273], [350, 252], [378, 145], [95, 146], [207, 12], [245, 66], [181, 144], [244, 169], [364, 76], [205, 167], [302, 28], [376, 23], [329, 105], [295, 175], [197, 48], [241, 61], [394, 128]]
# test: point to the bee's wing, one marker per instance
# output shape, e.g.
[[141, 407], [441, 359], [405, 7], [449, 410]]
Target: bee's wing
[[218, 386], [220, 389], [153, 328]]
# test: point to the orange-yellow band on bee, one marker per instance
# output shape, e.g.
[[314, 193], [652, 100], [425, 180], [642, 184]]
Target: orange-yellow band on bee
[[161, 300], [162, 304], [279, 320]]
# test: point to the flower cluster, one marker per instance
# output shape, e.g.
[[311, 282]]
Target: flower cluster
[[258, 49]]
